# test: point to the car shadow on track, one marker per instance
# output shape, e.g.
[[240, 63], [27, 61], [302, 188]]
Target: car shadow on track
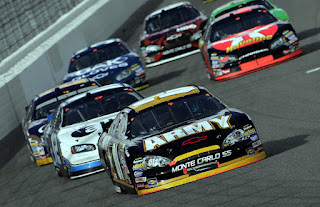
[[279, 146], [308, 33], [310, 48], [160, 79]]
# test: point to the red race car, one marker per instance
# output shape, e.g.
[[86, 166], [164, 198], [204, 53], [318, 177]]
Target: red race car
[[171, 33], [247, 40]]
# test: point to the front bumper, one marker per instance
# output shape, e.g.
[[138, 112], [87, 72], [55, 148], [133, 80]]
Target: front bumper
[[81, 170], [187, 178], [44, 161], [256, 65]]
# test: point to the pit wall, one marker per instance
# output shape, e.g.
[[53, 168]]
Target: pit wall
[[42, 62]]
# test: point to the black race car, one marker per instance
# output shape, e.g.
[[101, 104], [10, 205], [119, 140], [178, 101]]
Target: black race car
[[247, 40], [170, 33], [176, 137]]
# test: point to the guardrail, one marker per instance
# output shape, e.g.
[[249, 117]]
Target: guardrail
[[42, 62]]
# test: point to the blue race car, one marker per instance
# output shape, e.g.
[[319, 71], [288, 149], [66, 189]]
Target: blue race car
[[111, 61], [40, 107]]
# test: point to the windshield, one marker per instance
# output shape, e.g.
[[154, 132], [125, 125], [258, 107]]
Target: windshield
[[47, 107], [251, 3], [173, 113], [96, 56], [171, 18], [239, 23], [99, 105]]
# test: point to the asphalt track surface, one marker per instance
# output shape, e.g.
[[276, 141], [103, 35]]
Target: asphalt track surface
[[283, 102]]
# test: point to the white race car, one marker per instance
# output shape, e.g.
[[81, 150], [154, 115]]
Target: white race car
[[74, 129]]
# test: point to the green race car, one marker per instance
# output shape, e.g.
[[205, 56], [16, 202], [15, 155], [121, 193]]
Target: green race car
[[233, 5], [236, 4]]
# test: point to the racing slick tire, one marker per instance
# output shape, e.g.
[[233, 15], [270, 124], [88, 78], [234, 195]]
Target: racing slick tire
[[210, 77]]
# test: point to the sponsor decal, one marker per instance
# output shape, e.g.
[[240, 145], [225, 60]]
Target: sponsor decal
[[141, 179], [286, 52], [247, 127], [253, 136], [101, 70], [291, 37], [140, 186], [187, 27], [194, 140], [246, 38], [137, 173], [201, 162], [140, 166], [225, 71], [215, 61], [155, 142], [250, 151], [177, 49], [152, 182], [84, 131], [256, 143], [260, 148], [138, 160], [250, 131], [253, 53], [174, 36]]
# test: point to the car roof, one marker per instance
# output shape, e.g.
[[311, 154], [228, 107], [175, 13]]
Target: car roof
[[164, 96], [169, 7], [96, 45], [239, 11], [65, 85], [230, 5], [94, 91]]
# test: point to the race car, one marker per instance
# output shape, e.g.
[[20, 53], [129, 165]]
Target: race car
[[111, 61], [238, 4], [247, 40], [171, 33], [74, 129], [40, 107], [176, 137]]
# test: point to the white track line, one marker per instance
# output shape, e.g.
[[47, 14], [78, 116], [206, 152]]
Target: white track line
[[172, 59], [313, 70]]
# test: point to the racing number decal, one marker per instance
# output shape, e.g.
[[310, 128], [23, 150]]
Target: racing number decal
[[246, 38]]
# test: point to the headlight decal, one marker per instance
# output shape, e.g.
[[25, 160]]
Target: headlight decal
[[82, 148], [149, 162], [277, 43], [123, 74]]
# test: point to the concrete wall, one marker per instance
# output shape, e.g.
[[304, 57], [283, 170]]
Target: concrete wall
[[42, 63]]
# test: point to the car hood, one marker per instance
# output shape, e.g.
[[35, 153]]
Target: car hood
[[193, 135], [105, 69], [82, 133]]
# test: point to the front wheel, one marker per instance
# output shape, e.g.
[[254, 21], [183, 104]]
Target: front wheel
[[210, 77]]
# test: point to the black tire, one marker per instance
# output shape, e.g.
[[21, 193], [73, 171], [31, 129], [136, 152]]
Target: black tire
[[62, 169]]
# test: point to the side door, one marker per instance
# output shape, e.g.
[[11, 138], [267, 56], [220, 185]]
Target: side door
[[55, 144]]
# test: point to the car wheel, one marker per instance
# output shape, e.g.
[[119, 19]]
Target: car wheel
[[61, 169], [210, 77], [32, 158], [118, 189]]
